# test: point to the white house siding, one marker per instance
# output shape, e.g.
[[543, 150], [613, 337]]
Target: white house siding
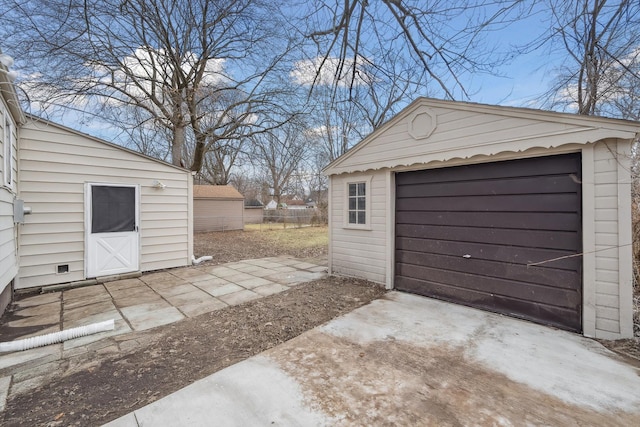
[[8, 233], [360, 252], [55, 164]]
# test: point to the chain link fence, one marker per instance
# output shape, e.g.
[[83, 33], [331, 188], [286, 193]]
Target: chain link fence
[[270, 219], [295, 217]]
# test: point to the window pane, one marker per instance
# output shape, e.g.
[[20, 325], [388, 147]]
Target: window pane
[[352, 190], [361, 189], [113, 209], [352, 203], [361, 217], [361, 203], [352, 218]]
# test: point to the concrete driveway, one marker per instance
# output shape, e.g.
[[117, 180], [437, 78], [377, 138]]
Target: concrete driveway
[[409, 360]]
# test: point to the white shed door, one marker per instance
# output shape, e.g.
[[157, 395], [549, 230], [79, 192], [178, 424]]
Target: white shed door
[[113, 238]]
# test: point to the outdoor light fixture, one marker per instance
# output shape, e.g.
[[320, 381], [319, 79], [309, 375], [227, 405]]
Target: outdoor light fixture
[[7, 62], [158, 184]]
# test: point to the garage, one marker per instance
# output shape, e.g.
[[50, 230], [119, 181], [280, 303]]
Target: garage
[[483, 235], [518, 211]]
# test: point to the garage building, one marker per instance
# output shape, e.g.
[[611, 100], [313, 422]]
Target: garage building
[[516, 211]]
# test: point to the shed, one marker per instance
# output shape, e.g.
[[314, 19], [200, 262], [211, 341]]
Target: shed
[[98, 209], [217, 207], [516, 211], [253, 212]]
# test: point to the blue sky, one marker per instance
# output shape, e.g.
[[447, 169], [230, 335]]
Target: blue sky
[[521, 82], [524, 79]]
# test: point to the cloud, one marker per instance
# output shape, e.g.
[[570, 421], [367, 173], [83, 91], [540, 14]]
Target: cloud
[[328, 72]]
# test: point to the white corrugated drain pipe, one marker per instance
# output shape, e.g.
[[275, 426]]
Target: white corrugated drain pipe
[[195, 261], [56, 337]]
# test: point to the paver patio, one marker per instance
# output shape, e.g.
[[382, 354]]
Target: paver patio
[[137, 304]]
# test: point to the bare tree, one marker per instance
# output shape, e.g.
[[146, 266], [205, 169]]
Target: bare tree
[[199, 66], [443, 38], [336, 124], [219, 162], [600, 41], [278, 154]]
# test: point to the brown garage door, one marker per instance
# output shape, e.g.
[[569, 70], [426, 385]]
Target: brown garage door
[[469, 234]]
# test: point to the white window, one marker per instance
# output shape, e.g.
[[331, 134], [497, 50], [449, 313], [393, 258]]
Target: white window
[[8, 151], [358, 195], [357, 207]]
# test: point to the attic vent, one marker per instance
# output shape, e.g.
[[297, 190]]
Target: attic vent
[[62, 268], [422, 124]]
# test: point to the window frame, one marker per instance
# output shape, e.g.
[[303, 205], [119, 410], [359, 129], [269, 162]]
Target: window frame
[[8, 178], [366, 180]]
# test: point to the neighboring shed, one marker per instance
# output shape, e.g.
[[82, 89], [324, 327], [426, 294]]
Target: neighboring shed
[[97, 209], [253, 212], [217, 207], [517, 211], [10, 119]]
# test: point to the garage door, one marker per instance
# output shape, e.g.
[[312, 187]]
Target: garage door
[[483, 235]]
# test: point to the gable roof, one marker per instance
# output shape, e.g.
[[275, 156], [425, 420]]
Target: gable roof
[[434, 130], [219, 192]]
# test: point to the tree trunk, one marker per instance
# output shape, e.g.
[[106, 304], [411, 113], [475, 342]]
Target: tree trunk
[[178, 145], [198, 153]]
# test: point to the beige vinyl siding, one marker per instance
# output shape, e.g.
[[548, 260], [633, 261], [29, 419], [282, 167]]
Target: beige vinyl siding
[[360, 252], [55, 164], [214, 215], [8, 230], [612, 245], [467, 130], [8, 259]]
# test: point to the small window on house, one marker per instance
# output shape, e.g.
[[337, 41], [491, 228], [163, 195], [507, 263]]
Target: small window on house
[[8, 151], [357, 212]]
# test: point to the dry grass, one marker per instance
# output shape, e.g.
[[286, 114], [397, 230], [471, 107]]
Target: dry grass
[[261, 242], [293, 238]]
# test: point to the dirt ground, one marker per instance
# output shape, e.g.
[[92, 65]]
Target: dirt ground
[[171, 357]]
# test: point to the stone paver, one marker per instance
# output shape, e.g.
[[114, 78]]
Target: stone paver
[[195, 296], [81, 313], [160, 317], [44, 310], [254, 282], [5, 382], [198, 308], [239, 297], [270, 289], [136, 304], [85, 292], [38, 300], [47, 320], [224, 289], [41, 354]]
